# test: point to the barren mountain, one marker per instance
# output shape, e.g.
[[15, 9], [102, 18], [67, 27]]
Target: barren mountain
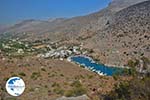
[[117, 5], [3, 28], [70, 28], [127, 35], [33, 26]]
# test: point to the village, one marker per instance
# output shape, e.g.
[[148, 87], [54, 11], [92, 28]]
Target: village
[[64, 52], [42, 49]]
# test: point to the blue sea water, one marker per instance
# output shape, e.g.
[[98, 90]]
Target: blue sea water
[[92, 65]]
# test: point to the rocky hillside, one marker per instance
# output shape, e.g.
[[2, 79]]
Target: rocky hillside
[[117, 5], [127, 35]]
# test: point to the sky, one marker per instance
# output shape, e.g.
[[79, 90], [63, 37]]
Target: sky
[[12, 11]]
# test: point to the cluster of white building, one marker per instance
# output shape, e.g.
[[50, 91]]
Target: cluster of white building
[[63, 52]]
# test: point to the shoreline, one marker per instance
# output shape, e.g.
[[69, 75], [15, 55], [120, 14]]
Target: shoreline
[[92, 60], [85, 67], [91, 68]]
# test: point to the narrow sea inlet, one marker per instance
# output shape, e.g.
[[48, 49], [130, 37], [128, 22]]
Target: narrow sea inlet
[[90, 64]]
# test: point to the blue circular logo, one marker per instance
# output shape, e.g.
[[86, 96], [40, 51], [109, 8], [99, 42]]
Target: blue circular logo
[[15, 86]]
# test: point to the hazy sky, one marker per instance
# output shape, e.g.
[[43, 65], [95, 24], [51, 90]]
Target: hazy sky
[[16, 10]]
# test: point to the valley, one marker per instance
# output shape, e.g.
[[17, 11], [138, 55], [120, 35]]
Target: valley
[[78, 58]]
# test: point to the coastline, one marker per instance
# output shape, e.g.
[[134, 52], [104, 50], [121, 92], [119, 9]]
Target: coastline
[[91, 59], [93, 68], [85, 67]]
